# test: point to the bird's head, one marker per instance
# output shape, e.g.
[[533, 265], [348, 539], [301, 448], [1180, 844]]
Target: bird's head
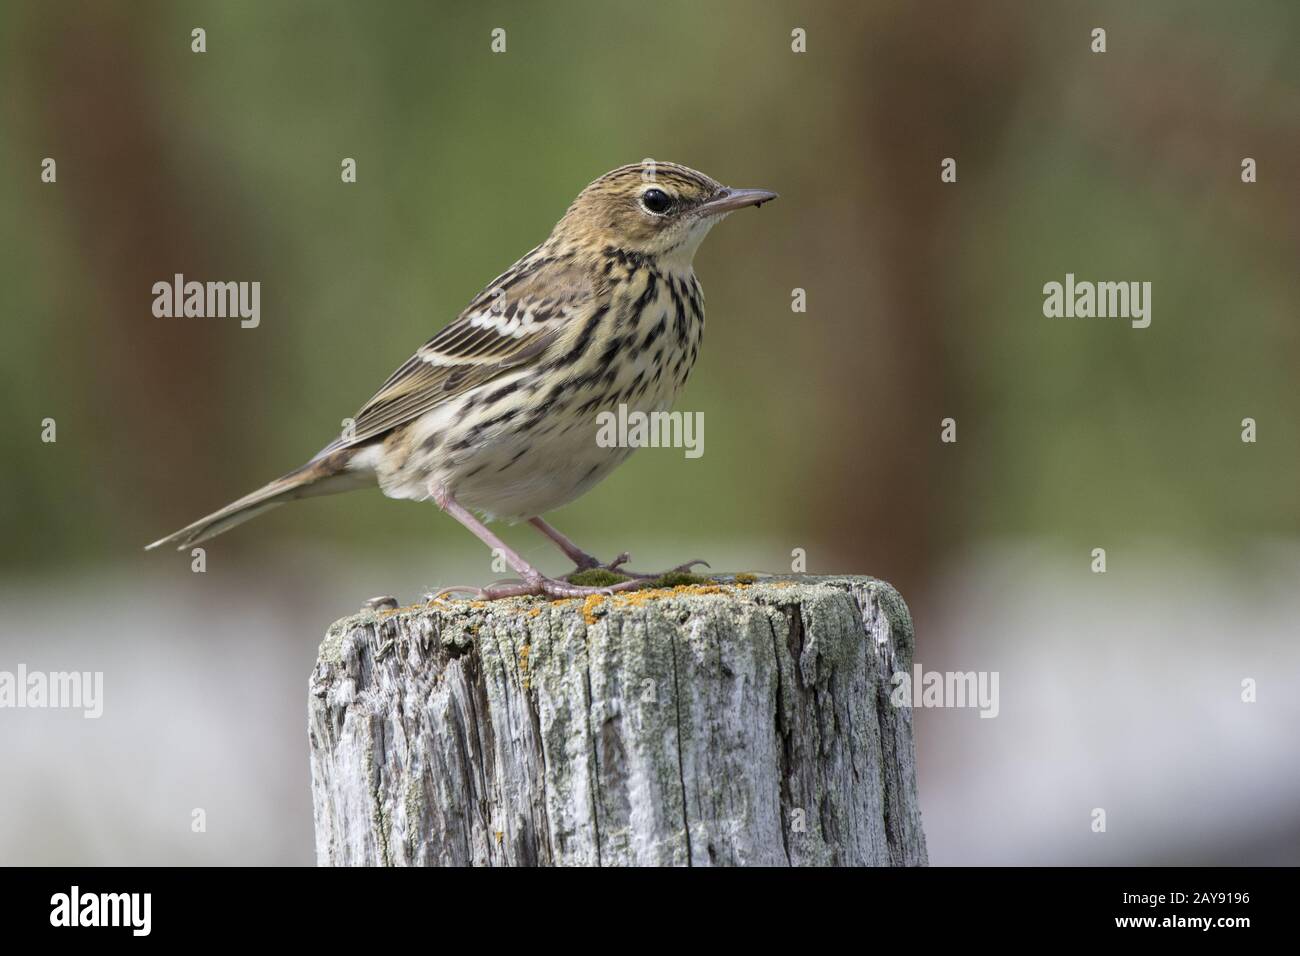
[[660, 210]]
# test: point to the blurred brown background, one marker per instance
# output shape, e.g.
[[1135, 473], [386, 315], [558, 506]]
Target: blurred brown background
[[924, 302]]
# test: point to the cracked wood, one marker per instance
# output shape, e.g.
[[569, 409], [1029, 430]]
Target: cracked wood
[[729, 724]]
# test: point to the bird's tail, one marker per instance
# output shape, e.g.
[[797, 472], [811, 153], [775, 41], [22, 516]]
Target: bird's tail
[[324, 475]]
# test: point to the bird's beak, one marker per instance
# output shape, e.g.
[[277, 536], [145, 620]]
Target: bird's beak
[[731, 199]]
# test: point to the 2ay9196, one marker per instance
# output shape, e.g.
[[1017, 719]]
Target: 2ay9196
[[1202, 897]]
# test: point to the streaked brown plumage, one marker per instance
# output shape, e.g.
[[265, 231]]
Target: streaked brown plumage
[[496, 414]]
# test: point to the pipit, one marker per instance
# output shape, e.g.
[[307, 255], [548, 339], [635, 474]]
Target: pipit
[[496, 415]]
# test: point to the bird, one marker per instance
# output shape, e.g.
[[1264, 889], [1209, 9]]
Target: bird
[[494, 417]]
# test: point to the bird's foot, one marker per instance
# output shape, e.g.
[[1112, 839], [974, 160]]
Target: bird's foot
[[615, 568], [541, 586], [687, 568]]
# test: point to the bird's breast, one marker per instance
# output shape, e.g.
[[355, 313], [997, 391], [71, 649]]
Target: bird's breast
[[655, 338], [528, 441]]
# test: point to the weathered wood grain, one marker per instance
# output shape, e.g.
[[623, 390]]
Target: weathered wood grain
[[729, 724]]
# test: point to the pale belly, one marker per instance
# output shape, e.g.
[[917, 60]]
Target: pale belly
[[517, 469], [524, 444]]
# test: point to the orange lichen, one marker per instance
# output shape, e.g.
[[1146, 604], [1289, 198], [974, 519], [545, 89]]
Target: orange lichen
[[589, 606], [639, 599]]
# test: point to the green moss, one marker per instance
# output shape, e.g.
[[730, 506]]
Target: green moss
[[596, 578], [602, 578], [675, 579]]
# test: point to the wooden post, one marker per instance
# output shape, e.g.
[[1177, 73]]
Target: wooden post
[[732, 723]]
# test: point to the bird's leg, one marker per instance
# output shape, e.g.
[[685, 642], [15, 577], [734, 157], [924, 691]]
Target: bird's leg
[[586, 562], [582, 559], [534, 582]]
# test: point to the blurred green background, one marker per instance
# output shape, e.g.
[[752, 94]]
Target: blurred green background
[[924, 299]]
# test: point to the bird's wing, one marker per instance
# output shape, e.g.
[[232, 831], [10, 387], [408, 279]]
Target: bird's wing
[[509, 324]]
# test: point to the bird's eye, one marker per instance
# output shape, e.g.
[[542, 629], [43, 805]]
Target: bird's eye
[[656, 201]]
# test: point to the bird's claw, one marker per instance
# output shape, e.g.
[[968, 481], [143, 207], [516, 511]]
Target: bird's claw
[[594, 564], [540, 586], [680, 569]]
